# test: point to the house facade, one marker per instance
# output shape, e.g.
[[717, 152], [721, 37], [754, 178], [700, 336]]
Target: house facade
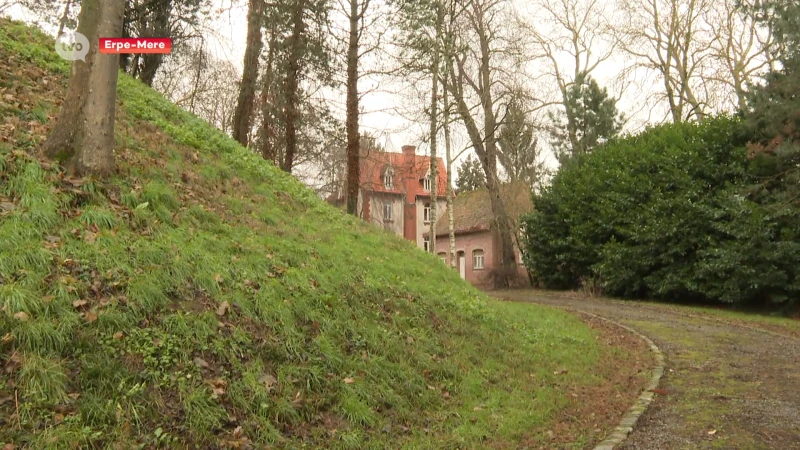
[[476, 237], [395, 192]]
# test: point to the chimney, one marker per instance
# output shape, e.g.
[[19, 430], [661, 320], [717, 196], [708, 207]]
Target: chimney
[[409, 150]]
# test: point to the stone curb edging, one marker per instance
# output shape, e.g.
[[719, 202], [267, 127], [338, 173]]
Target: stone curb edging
[[627, 423]]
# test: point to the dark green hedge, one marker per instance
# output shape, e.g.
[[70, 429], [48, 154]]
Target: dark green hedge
[[666, 214]]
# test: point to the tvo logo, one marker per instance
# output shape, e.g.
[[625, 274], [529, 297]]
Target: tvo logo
[[72, 46]]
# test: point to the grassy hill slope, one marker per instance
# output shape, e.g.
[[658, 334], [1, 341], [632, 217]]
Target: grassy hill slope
[[203, 298]]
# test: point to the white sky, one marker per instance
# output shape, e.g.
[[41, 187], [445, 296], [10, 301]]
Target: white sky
[[385, 113]]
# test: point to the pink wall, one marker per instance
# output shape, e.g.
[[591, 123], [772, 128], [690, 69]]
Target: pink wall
[[478, 241]]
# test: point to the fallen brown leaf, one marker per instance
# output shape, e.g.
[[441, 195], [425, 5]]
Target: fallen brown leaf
[[218, 387], [223, 308], [269, 381], [349, 380], [79, 303], [90, 317], [22, 316], [201, 363]]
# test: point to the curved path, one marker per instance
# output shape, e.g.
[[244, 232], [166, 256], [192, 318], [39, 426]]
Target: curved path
[[726, 386]]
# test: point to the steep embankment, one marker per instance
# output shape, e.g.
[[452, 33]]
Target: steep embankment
[[203, 298]]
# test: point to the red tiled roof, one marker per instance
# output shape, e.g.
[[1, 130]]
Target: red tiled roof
[[415, 167], [472, 210]]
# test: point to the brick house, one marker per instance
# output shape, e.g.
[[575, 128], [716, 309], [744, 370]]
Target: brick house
[[395, 192], [476, 236]]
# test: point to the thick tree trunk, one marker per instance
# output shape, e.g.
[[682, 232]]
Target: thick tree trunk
[[292, 83], [505, 255], [243, 116], [84, 129], [149, 69], [160, 28], [267, 129], [351, 123]]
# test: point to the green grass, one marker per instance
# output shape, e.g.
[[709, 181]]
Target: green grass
[[143, 311]]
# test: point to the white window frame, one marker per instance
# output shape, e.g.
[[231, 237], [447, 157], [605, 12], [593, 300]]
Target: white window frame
[[388, 178], [426, 183], [426, 244], [388, 211], [478, 262], [426, 212], [443, 257]]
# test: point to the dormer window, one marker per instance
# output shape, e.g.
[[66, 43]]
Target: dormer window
[[426, 183], [388, 178]]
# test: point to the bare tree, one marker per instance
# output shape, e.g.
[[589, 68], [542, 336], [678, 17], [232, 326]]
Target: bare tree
[[741, 50], [84, 129], [671, 38], [486, 54], [434, 129], [200, 83], [572, 37]]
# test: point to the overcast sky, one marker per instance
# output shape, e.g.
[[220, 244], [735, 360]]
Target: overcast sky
[[387, 113]]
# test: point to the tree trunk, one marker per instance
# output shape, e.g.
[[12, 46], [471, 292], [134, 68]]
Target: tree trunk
[[351, 123], [150, 65], [160, 28], [505, 257], [242, 117], [451, 227], [267, 130], [84, 130], [434, 127], [292, 83], [64, 17]]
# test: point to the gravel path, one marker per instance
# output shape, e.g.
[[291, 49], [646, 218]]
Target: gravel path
[[725, 386]]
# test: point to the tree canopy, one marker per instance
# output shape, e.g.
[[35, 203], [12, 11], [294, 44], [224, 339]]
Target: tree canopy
[[590, 118], [470, 175], [666, 214], [519, 145]]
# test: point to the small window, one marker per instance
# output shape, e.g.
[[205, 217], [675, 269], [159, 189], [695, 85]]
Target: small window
[[477, 259], [443, 257], [426, 183], [427, 213], [387, 211], [388, 178], [426, 244]]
